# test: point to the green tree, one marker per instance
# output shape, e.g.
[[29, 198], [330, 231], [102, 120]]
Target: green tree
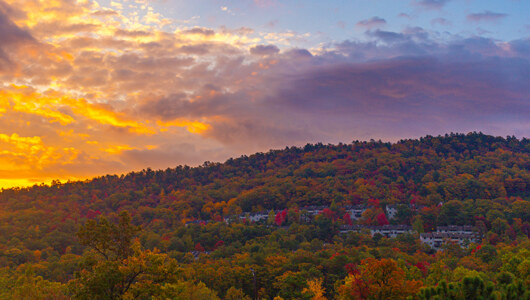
[[418, 225], [270, 218], [475, 288], [470, 288], [235, 294], [112, 241], [185, 290], [451, 214], [117, 267], [29, 286]]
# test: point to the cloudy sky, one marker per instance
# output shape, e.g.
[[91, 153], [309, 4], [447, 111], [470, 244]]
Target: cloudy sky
[[100, 87]]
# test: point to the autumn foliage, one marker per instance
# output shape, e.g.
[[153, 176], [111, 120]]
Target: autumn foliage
[[199, 219], [378, 279]]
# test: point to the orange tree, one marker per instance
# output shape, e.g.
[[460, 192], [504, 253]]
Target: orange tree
[[378, 279]]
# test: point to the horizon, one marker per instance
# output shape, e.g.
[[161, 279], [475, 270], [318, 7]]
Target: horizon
[[107, 87], [66, 181]]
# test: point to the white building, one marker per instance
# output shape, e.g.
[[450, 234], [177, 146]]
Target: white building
[[391, 211], [466, 229], [355, 212], [313, 210], [349, 228], [389, 231], [255, 217], [436, 239]]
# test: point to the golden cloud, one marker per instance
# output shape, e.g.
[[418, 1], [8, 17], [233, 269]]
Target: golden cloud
[[73, 102], [49, 106]]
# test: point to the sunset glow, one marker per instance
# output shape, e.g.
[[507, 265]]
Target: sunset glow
[[105, 87]]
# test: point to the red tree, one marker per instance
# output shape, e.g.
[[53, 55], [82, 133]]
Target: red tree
[[329, 214], [347, 219], [374, 203], [382, 220], [280, 217], [199, 247], [219, 243]]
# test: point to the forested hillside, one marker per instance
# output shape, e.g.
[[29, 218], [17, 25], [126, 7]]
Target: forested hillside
[[459, 179]]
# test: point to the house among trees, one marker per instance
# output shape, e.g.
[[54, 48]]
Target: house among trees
[[355, 211], [255, 217], [466, 229], [350, 228], [436, 239], [313, 210], [462, 235], [391, 211], [194, 222], [390, 231]]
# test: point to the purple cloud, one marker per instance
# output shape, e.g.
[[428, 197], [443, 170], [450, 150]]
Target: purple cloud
[[404, 15], [431, 4], [192, 96], [200, 31], [371, 23], [406, 86], [9, 31], [487, 16], [11, 35], [388, 36], [105, 13], [440, 21], [262, 50]]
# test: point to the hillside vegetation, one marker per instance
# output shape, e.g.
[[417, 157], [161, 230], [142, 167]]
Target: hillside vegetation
[[85, 239]]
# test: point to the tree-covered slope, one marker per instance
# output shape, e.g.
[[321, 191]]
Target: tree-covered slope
[[457, 179]]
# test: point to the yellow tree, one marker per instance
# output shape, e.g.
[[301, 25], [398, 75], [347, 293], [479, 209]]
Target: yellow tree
[[315, 289]]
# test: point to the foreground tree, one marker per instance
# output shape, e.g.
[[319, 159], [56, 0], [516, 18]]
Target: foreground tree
[[473, 288], [113, 242], [29, 286], [118, 268]]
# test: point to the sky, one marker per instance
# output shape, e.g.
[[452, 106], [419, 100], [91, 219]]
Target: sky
[[89, 88]]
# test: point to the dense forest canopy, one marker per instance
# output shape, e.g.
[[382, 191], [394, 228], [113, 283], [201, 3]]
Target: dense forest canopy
[[458, 179]]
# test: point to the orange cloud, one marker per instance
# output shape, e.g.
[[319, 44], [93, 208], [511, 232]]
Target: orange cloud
[[49, 106], [27, 153], [191, 126]]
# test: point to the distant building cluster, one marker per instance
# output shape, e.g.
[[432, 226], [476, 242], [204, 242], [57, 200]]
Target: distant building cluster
[[255, 217], [389, 231], [355, 211], [461, 235]]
